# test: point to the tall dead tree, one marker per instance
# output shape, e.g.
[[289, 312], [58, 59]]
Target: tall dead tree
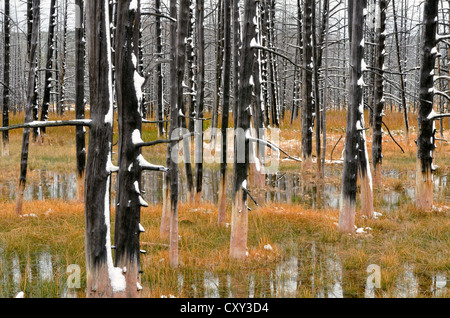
[[355, 151], [49, 63], [426, 130], [30, 103], [239, 217], [6, 78], [62, 74], [80, 138], [225, 112], [170, 190], [159, 72], [400, 71], [198, 123], [378, 90], [307, 93], [103, 279], [131, 162]]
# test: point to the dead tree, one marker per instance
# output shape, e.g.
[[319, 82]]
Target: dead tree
[[159, 73], [225, 112], [239, 217], [400, 72], [6, 79], [103, 278], [49, 63], [307, 93], [80, 138], [355, 157], [30, 104], [170, 191], [198, 124], [379, 99], [426, 130]]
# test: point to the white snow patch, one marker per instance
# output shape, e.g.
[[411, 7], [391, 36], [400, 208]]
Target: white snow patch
[[136, 137], [268, 247]]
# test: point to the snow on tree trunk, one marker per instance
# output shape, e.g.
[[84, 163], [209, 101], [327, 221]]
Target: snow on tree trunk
[[355, 157], [377, 157], [30, 103], [103, 279], [239, 217], [426, 129], [80, 132]]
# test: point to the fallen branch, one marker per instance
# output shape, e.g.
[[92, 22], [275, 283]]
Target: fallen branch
[[56, 123], [331, 154], [162, 141], [274, 147]]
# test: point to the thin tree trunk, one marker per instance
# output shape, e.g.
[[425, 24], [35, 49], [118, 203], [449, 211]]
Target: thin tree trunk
[[307, 100], [426, 129], [239, 217], [29, 105], [6, 79], [49, 64], [379, 100], [167, 212], [159, 73], [80, 138], [400, 71], [200, 100], [225, 113]]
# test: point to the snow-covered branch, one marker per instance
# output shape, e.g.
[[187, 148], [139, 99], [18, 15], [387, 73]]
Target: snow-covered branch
[[56, 123]]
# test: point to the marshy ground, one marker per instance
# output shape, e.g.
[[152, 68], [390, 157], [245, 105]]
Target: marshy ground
[[294, 247]]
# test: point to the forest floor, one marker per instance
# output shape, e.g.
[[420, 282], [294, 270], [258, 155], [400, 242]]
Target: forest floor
[[294, 249]]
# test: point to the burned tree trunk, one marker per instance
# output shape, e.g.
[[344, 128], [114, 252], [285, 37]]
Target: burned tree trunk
[[400, 71], [31, 95], [225, 112], [62, 75], [198, 124], [129, 97], [355, 157], [49, 64], [426, 129], [379, 100], [159, 73], [307, 94], [103, 279], [173, 124], [239, 217], [6, 81], [80, 138]]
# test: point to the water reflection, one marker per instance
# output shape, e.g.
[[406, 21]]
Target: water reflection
[[289, 187]]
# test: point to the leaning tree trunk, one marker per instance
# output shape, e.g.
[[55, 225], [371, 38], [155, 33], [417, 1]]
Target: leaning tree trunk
[[225, 112], [49, 64], [426, 129], [239, 217], [29, 104], [6, 81], [355, 157], [103, 279], [80, 138], [379, 100]]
